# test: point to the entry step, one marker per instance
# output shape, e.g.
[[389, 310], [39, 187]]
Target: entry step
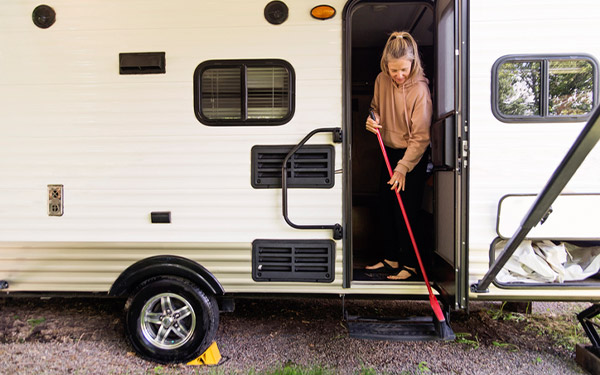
[[401, 329]]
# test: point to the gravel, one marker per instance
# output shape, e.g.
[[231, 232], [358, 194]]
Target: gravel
[[86, 336]]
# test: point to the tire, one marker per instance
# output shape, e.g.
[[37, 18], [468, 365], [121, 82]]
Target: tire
[[170, 320]]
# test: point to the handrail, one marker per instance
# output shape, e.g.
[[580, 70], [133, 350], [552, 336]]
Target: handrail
[[336, 228]]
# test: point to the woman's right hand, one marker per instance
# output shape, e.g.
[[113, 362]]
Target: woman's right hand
[[372, 125]]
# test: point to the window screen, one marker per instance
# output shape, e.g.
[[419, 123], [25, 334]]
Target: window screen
[[544, 88], [244, 92]]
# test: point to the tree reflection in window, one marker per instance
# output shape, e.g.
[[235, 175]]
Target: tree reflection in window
[[519, 88], [539, 88], [571, 88]]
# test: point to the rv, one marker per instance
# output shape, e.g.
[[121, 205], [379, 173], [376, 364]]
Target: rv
[[182, 154]]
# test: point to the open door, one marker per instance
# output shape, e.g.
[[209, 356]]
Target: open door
[[439, 226], [449, 141]]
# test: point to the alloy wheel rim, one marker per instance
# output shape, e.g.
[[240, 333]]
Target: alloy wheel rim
[[167, 321]]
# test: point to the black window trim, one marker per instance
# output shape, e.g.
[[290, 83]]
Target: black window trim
[[243, 64], [543, 59]]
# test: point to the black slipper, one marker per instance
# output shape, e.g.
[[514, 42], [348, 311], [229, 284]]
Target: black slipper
[[386, 268], [413, 275]]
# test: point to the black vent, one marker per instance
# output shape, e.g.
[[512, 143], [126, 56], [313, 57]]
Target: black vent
[[142, 63], [310, 167], [293, 260]]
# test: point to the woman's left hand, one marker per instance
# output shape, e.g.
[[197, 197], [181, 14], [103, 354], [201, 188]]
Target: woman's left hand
[[397, 181]]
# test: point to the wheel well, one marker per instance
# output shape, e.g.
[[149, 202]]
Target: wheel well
[[163, 265]]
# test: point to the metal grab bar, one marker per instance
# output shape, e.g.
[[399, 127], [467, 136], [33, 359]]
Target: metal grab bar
[[336, 228]]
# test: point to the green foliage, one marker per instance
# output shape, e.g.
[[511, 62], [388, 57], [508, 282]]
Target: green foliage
[[36, 322], [366, 370], [506, 345], [293, 369], [500, 314], [423, 368], [462, 338], [565, 330]]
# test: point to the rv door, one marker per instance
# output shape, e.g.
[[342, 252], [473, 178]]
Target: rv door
[[438, 30], [449, 140]]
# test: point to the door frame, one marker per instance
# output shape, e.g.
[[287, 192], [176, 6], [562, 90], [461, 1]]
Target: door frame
[[458, 296]]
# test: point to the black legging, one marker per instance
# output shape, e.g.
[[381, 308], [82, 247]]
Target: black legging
[[396, 240]]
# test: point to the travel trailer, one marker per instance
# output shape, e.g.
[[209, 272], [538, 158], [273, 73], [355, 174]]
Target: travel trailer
[[182, 154]]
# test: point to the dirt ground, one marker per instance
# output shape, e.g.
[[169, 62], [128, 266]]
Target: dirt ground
[[86, 336]]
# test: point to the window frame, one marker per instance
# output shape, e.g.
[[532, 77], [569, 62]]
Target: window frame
[[543, 59], [243, 64]]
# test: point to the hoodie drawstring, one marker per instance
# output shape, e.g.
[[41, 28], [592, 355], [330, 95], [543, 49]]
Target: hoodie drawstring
[[406, 112]]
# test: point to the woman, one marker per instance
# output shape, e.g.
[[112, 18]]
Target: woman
[[401, 108]]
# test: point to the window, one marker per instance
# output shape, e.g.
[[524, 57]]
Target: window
[[445, 62], [544, 88], [244, 92]]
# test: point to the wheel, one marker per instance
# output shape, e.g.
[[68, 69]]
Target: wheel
[[170, 320]]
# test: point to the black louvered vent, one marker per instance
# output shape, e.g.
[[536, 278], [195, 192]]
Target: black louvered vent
[[310, 167], [293, 260]]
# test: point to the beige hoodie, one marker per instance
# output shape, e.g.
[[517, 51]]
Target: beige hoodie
[[405, 117]]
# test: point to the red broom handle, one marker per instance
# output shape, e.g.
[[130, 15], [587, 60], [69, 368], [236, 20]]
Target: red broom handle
[[432, 300]]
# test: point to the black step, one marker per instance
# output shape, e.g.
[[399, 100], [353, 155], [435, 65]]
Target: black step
[[401, 329]]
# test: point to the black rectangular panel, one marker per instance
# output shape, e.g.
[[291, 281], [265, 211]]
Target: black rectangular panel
[[309, 167], [293, 260], [142, 63]]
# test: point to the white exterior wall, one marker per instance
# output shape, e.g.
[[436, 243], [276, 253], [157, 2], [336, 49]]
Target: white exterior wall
[[126, 145], [519, 158]]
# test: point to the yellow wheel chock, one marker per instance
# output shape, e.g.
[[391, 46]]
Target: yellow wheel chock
[[211, 356]]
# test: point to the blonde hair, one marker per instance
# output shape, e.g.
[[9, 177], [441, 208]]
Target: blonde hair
[[401, 45]]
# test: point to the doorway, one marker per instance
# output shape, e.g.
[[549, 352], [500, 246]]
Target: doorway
[[432, 24]]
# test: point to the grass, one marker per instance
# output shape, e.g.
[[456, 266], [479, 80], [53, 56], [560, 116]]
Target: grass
[[501, 314], [564, 329], [506, 345], [423, 368], [463, 338], [366, 370], [35, 322], [293, 369]]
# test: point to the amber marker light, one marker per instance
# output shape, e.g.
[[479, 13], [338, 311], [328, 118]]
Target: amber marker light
[[322, 12]]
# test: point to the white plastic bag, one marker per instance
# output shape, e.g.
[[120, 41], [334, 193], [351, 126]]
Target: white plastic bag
[[527, 265], [547, 262]]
